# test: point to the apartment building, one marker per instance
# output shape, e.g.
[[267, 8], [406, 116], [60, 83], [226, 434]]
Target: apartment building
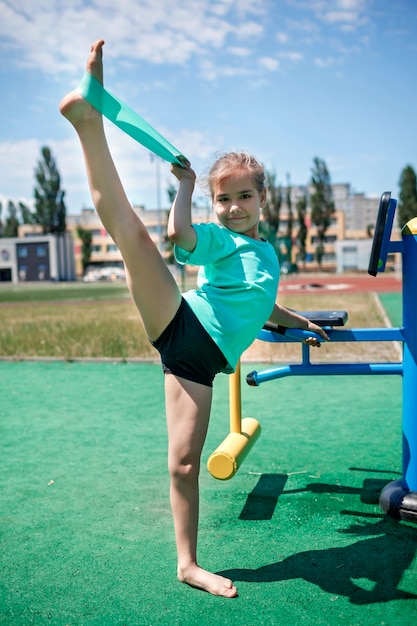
[[353, 221], [105, 253], [35, 257], [354, 218]]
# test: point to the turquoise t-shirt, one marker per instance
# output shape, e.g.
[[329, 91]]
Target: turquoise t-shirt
[[236, 286]]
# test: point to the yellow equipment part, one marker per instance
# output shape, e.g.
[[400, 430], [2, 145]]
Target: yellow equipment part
[[224, 462]]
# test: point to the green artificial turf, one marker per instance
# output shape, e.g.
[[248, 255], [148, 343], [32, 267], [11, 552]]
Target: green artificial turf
[[392, 303], [86, 530]]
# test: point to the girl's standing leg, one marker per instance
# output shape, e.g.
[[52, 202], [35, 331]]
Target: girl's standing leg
[[188, 406]]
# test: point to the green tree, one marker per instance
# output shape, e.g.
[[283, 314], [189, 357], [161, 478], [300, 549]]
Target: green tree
[[322, 205], [301, 206], [12, 221], [9, 228], [86, 247], [407, 201], [27, 215], [269, 226], [50, 209], [171, 192], [289, 206], [290, 222]]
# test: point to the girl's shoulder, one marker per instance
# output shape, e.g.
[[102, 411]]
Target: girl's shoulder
[[212, 229], [217, 241]]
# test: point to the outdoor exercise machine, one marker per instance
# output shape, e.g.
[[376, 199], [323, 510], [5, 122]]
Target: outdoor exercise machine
[[399, 497]]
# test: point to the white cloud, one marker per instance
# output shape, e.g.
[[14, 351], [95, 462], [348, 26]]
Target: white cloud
[[248, 29], [159, 54], [304, 24], [54, 35], [282, 37], [211, 71], [294, 56], [346, 14], [269, 63], [133, 162], [21, 158], [324, 62], [239, 51]]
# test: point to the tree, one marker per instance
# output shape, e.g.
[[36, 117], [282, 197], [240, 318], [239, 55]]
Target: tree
[[407, 205], [301, 206], [270, 224], [86, 247], [290, 221], [171, 192], [27, 215], [11, 224], [50, 209], [289, 206], [322, 205], [9, 227]]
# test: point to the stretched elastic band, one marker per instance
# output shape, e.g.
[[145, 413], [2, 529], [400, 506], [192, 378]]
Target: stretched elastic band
[[126, 119]]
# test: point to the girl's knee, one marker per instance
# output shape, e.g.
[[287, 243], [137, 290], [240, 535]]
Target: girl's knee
[[185, 470]]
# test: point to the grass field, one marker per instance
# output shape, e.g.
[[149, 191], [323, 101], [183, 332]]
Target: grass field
[[87, 536], [79, 320]]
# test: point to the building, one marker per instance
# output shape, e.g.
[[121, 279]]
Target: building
[[353, 220], [36, 257], [105, 254]]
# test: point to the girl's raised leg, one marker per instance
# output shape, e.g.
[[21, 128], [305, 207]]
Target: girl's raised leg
[[152, 286]]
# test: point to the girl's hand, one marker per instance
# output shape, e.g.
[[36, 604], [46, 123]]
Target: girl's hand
[[312, 341], [183, 171]]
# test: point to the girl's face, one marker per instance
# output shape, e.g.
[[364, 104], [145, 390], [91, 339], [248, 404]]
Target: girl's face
[[237, 204]]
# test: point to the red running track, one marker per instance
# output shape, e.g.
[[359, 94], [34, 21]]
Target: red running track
[[324, 283]]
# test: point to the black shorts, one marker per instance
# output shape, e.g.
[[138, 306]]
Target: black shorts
[[187, 350]]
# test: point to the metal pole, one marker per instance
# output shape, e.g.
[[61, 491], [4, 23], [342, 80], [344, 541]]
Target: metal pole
[[235, 401], [410, 356], [158, 202]]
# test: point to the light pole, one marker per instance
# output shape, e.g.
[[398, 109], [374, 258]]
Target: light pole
[[158, 202], [157, 161]]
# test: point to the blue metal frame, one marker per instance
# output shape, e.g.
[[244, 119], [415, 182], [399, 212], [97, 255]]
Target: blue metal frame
[[306, 368], [400, 497]]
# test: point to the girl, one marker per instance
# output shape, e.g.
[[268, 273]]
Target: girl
[[204, 331]]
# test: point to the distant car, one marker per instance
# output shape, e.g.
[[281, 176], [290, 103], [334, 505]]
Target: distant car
[[95, 274], [289, 268]]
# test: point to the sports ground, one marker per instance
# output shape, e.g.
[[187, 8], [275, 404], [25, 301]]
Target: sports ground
[[86, 530]]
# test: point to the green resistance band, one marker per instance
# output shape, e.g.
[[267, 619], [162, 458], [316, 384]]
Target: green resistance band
[[127, 119]]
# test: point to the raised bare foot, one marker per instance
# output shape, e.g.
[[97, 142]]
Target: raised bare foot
[[73, 106], [199, 578]]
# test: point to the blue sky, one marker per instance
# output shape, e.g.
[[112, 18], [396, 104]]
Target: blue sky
[[285, 79]]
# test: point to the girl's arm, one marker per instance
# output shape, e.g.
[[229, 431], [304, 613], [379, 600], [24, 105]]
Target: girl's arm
[[180, 229], [284, 317]]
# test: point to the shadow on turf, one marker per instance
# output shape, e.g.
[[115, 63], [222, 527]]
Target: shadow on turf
[[367, 571], [261, 502]]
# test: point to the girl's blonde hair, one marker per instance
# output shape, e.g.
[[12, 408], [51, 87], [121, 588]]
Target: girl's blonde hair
[[226, 164]]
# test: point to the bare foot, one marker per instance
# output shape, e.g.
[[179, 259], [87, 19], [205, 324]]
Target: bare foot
[[73, 106], [199, 578]]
